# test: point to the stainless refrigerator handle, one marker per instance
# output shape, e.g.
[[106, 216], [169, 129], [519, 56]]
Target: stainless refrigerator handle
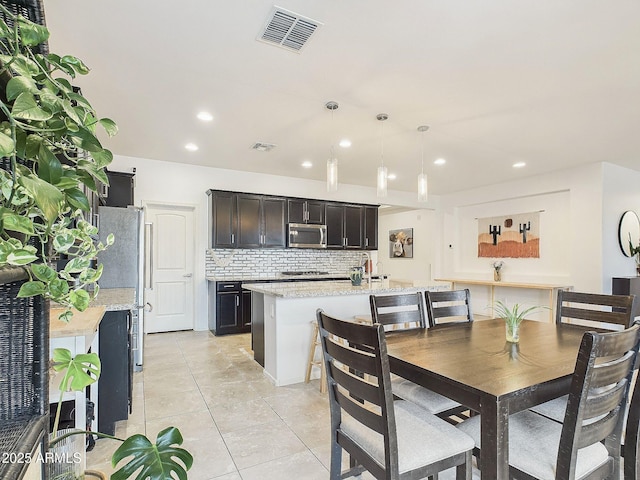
[[150, 237]]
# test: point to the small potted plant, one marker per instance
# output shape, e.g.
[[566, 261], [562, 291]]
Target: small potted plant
[[635, 252], [513, 318], [497, 267]]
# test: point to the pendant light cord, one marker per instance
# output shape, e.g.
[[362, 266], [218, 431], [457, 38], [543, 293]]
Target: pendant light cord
[[382, 143]]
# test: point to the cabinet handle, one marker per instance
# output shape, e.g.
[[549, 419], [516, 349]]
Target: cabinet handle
[[366, 242], [228, 286], [233, 238], [237, 301]]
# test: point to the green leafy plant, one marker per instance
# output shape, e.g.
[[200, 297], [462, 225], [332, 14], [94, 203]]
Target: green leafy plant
[[51, 156], [147, 461], [513, 316], [634, 251]]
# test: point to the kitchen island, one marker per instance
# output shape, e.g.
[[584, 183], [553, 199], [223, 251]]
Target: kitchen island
[[282, 314]]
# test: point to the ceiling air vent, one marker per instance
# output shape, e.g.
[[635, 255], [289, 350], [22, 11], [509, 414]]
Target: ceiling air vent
[[287, 29], [263, 147]]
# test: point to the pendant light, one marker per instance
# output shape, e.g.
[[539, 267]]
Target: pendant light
[[423, 187], [332, 162], [382, 170]]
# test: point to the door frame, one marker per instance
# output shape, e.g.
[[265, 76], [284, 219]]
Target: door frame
[[194, 210]]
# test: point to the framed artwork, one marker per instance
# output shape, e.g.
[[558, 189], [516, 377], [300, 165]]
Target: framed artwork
[[509, 236], [401, 243]]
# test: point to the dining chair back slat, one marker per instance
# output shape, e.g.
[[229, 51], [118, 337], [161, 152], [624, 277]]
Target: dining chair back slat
[[356, 409], [453, 306], [354, 384], [610, 311], [357, 359]]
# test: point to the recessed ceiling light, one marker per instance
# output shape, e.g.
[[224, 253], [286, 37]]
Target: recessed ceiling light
[[519, 164], [307, 164], [192, 147], [392, 176], [440, 161], [205, 116], [345, 143]]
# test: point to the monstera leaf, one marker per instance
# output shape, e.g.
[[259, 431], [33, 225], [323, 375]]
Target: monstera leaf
[[81, 370], [154, 462]]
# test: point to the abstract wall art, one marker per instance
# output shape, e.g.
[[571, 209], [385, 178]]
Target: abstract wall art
[[509, 236]]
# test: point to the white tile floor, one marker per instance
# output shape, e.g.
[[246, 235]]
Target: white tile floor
[[234, 422]]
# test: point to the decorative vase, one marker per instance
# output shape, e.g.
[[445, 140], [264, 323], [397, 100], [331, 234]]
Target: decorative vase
[[497, 276], [355, 274], [512, 332]]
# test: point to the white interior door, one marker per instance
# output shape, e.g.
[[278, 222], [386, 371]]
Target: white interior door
[[170, 268]]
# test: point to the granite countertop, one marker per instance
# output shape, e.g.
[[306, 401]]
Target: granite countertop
[[274, 277], [339, 287], [116, 299]]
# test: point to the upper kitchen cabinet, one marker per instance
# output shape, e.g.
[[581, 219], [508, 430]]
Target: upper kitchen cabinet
[[345, 225], [306, 211], [241, 220], [223, 218], [119, 193], [370, 227]]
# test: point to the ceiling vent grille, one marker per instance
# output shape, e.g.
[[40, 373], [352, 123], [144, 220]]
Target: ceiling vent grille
[[263, 147], [287, 29]]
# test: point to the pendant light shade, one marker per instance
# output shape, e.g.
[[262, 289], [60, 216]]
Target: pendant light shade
[[332, 174], [382, 170], [382, 181], [332, 162], [423, 186]]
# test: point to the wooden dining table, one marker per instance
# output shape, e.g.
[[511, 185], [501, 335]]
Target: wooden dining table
[[474, 365]]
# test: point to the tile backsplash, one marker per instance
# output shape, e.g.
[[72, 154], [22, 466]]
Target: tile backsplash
[[227, 263]]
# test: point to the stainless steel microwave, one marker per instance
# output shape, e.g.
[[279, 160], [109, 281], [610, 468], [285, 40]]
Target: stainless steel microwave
[[304, 235]]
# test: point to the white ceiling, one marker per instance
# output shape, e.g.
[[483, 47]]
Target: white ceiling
[[554, 83]]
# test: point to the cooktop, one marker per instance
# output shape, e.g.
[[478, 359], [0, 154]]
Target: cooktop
[[305, 272]]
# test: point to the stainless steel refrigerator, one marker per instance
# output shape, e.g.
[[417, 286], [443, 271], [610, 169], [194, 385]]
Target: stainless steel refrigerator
[[124, 265]]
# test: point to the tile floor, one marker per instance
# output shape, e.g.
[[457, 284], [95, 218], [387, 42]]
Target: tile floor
[[234, 422]]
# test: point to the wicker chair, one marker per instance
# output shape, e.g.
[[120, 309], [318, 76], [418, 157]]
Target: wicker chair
[[24, 396]]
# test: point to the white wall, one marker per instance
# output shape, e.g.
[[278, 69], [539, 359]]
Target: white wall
[[419, 267], [621, 192], [571, 226]]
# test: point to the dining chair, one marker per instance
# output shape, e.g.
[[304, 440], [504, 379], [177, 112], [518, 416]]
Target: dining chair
[[391, 439], [587, 444], [606, 312], [403, 312], [452, 306], [631, 448]]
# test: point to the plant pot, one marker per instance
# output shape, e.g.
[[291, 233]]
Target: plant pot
[[69, 459], [355, 274], [512, 332]]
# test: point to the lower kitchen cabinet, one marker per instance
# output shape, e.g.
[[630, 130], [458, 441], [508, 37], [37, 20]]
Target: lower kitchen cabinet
[[232, 308], [116, 376]]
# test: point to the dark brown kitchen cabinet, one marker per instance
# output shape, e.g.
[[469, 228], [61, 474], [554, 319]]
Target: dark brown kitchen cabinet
[[306, 211], [370, 240], [344, 225], [274, 214], [232, 308], [222, 214], [242, 220]]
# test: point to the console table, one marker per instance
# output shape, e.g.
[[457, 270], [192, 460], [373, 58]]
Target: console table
[[552, 288]]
